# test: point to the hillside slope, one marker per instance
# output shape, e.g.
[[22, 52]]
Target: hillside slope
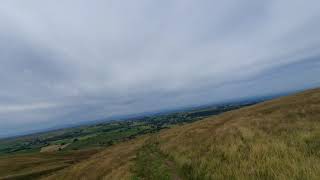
[[278, 139], [113, 163]]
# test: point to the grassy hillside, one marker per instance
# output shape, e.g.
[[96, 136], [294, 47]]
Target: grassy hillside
[[278, 139], [113, 163]]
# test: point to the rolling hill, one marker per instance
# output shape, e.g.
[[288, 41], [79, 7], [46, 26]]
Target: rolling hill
[[277, 139]]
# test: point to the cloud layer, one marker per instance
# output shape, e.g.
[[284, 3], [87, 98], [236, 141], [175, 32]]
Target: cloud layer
[[72, 61]]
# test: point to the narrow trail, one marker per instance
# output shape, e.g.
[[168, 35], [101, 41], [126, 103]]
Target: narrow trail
[[173, 170], [152, 163]]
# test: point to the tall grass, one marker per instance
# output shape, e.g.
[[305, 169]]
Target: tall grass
[[275, 140]]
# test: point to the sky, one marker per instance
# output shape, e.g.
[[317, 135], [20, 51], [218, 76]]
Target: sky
[[76, 61]]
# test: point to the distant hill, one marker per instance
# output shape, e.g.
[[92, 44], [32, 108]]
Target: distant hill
[[277, 139]]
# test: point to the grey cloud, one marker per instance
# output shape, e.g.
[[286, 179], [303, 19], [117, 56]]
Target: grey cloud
[[73, 61]]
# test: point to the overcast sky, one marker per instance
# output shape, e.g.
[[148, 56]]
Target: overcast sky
[[64, 62]]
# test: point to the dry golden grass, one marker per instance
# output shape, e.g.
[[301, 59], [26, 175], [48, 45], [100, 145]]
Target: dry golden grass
[[279, 139], [113, 163]]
